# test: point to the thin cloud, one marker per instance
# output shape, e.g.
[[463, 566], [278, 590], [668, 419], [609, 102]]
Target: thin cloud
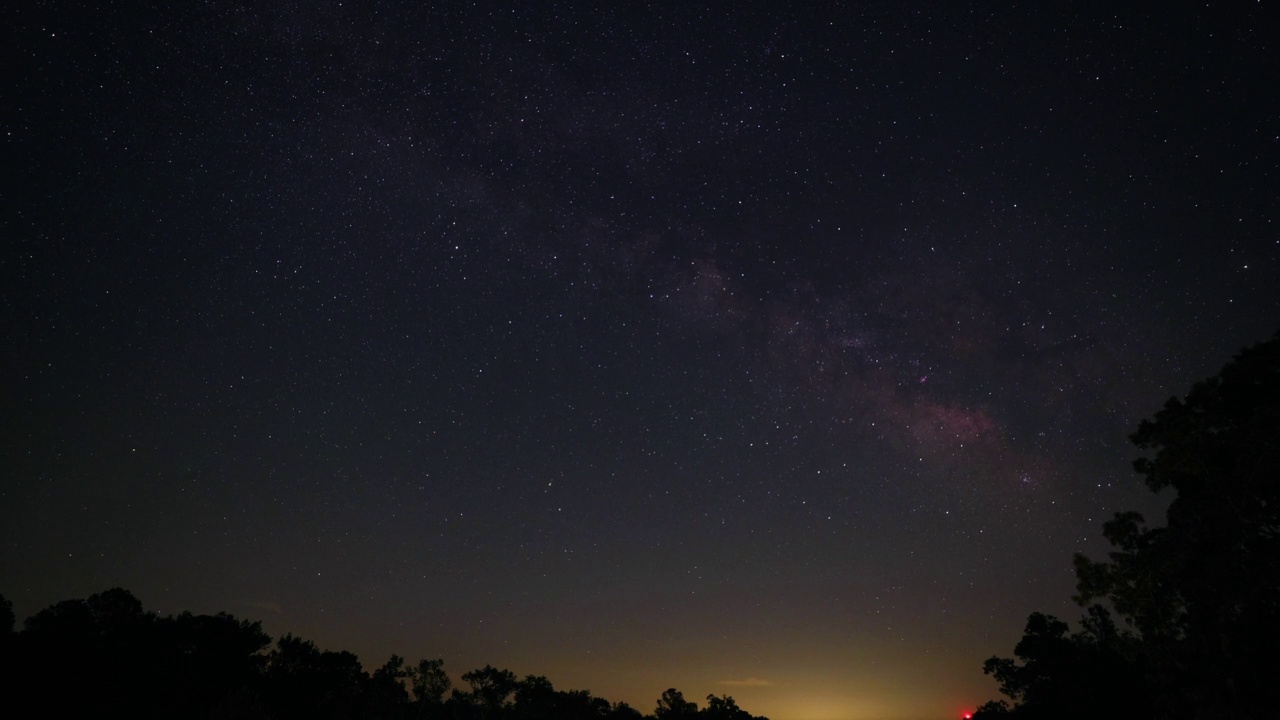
[[749, 682]]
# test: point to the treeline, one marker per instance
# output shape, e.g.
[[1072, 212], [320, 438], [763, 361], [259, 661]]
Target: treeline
[[105, 656], [1181, 621]]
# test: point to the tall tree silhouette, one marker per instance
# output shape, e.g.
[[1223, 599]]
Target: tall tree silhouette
[[1204, 591], [1200, 596]]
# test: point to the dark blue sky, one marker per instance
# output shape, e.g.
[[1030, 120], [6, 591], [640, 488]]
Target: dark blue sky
[[777, 352]]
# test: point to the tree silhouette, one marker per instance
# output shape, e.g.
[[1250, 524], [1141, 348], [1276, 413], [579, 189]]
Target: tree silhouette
[[385, 693], [673, 706], [724, 708], [6, 617], [204, 660], [491, 689], [8, 656], [105, 656], [1065, 675], [429, 682], [304, 682], [579, 705], [535, 697], [130, 660], [107, 637], [1200, 597], [623, 711]]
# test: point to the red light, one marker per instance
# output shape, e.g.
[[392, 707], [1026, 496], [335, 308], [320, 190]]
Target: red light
[[968, 716]]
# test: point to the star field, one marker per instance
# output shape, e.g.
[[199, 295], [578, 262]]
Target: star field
[[783, 353]]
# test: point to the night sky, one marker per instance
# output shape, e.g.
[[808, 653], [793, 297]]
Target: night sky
[[782, 353]]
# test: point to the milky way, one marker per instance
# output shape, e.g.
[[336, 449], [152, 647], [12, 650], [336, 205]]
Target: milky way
[[779, 353]]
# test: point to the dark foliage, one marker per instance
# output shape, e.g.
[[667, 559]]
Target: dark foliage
[[80, 656], [673, 706], [106, 657], [6, 617], [1199, 597]]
